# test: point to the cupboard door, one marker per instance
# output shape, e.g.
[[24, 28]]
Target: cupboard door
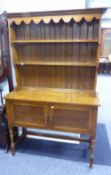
[[70, 118], [29, 115]]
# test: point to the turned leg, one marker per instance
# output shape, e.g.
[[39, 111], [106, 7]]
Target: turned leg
[[8, 140], [15, 130], [89, 143], [92, 144], [24, 132], [12, 141]]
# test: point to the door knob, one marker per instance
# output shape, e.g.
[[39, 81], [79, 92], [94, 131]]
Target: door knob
[[52, 107]]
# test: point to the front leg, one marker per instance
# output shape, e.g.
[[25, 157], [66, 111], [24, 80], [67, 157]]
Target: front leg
[[92, 144], [12, 141], [24, 132]]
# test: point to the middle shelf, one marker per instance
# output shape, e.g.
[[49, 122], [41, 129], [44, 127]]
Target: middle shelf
[[48, 63]]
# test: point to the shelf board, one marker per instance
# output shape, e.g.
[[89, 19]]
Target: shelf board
[[35, 63], [55, 41]]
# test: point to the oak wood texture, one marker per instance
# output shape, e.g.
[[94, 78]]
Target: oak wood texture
[[50, 63], [91, 11], [53, 41], [62, 96], [55, 56]]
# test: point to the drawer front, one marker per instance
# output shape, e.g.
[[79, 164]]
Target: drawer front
[[30, 115], [72, 119]]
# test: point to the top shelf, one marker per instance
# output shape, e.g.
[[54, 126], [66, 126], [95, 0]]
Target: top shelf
[[55, 41]]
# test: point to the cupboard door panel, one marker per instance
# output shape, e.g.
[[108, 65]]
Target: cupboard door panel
[[30, 115], [72, 120]]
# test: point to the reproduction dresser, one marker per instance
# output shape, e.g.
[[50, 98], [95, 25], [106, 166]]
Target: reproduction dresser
[[55, 56]]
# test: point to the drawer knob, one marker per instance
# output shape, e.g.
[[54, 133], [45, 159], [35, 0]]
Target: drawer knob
[[52, 107]]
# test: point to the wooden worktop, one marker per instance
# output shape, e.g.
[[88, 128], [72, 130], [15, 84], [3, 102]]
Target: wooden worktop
[[54, 95]]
